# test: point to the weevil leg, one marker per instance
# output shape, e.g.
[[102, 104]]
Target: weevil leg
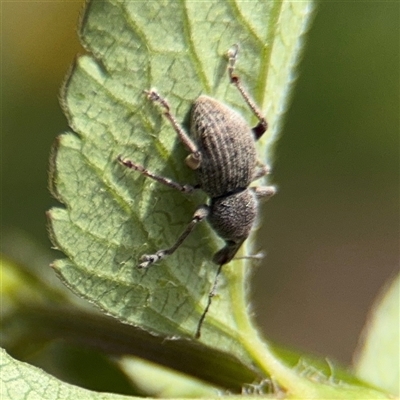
[[262, 125], [194, 159], [165, 181], [260, 171], [258, 256], [264, 191], [149, 259]]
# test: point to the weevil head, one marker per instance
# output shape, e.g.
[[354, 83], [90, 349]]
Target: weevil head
[[232, 217], [226, 254]]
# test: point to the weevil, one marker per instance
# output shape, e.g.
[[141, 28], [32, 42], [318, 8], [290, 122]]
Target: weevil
[[223, 155]]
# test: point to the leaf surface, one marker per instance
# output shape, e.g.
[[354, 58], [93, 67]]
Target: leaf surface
[[20, 381], [114, 215]]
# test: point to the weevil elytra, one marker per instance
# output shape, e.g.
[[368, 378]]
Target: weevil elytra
[[223, 156]]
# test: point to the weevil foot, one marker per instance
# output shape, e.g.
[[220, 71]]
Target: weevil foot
[[149, 259]]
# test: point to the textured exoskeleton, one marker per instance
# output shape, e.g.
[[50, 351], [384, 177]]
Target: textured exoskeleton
[[228, 164]]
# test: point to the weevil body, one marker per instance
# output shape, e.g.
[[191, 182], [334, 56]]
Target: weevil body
[[228, 162], [227, 147], [223, 155]]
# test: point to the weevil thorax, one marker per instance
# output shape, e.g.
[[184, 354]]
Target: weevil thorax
[[232, 216], [226, 143]]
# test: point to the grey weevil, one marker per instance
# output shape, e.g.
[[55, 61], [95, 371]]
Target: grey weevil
[[223, 155]]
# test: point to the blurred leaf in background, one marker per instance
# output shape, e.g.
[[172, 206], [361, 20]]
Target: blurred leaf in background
[[332, 232], [39, 41], [378, 356]]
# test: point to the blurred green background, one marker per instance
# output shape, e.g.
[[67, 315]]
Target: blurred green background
[[331, 234]]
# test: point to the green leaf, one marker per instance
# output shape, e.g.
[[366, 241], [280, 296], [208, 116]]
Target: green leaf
[[114, 215], [378, 358], [20, 381], [160, 382]]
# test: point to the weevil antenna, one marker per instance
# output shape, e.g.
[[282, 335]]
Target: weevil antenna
[[211, 294]]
